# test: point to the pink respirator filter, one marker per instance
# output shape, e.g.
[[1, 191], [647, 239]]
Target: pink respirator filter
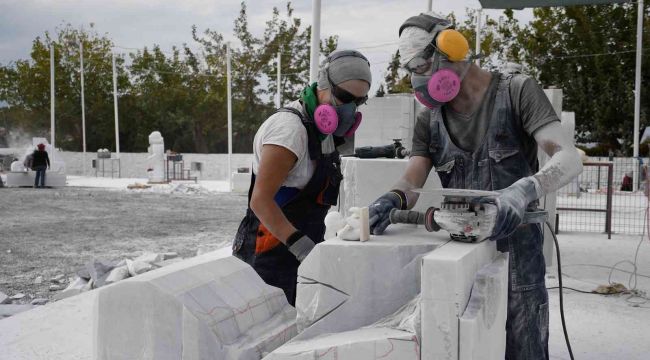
[[424, 101], [355, 126], [444, 85], [326, 119]]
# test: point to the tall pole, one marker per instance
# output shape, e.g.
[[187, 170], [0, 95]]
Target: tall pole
[[229, 82], [430, 5], [478, 36], [83, 105], [637, 76], [52, 100], [637, 85], [278, 101], [117, 119], [315, 41]]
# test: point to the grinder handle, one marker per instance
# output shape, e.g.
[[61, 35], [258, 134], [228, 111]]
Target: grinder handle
[[406, 217]]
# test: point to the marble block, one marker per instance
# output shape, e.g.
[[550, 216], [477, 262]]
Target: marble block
[[241, 182], [13, 309], [61, 330], [222, 307], [212, 306], [483, 324], [448, 275], [364, 180], [21, 178], [361, 344], [344, 285]]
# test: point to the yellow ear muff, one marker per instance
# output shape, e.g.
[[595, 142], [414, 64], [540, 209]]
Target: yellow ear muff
[[453, 44]]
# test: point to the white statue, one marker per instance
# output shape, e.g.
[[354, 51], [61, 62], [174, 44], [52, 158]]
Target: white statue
[[18, 166], [156, 158]]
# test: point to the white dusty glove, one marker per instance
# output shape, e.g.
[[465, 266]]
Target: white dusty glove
[[511, 206]]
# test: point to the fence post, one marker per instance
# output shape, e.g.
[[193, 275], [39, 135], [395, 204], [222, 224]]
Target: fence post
[[610, 190]]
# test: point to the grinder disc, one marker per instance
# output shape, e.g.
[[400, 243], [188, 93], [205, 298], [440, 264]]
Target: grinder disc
[[459, 193]]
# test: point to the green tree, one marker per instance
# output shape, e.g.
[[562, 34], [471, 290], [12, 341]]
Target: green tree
[[254, 67], [25, 86], [396, 79], [589, 52], [182, 93]]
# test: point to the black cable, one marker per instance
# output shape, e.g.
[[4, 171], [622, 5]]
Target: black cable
[[559, 278], [578, 290]]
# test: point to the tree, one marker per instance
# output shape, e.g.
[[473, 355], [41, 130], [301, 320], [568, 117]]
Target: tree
[[396, 80], [254, 67], [182, 93], [25, 86], [589, 52]]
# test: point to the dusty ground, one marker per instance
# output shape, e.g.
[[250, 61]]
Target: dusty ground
[[48, 232], [52, 232]]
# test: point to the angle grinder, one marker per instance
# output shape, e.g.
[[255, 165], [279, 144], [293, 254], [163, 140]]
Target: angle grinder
[[394, 150], [465, 214]]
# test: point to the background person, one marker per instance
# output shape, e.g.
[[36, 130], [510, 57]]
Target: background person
[[481, 131], [40, 162], [296, 171]]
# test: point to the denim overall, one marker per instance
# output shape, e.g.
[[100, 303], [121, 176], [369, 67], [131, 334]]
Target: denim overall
[[304, 208], [497, 163]]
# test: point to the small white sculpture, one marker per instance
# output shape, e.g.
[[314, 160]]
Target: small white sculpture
[[354, 228], [18, 166], [156, 158]]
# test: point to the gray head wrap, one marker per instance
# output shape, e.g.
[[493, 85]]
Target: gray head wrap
[[343, 69], [414, 39]]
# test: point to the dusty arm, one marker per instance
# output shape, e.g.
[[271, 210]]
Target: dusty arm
[[415, 175], [565, 162]]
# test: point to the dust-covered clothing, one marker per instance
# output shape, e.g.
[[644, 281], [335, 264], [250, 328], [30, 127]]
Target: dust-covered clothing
[[499, 160], [529, 104]]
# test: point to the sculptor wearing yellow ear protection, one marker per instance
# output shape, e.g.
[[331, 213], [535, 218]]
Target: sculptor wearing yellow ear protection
[[480, 130], [434, 77]]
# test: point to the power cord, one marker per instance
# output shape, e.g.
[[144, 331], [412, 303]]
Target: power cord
[[632, 280], [559, 277], [578, 290]]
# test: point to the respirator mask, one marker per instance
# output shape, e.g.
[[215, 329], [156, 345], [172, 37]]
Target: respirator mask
[[438, 70], [340, 119]]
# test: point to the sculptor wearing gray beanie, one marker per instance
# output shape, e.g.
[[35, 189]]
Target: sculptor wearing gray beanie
[[344, 68], [296, 170]]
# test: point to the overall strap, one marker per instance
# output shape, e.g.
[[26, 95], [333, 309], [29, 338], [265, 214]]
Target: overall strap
[[435, 116], [313, 143]]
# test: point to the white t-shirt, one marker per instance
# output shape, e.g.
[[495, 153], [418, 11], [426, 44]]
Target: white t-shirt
[[286, 129]]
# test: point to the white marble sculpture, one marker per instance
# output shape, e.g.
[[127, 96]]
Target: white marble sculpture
[[156, 157], [353, 228]]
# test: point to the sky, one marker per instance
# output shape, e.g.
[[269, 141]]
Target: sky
[[370, 26]]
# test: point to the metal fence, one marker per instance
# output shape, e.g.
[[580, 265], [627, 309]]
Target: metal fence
[[603, 198]]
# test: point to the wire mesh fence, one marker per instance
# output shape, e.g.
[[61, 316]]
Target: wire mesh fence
[[608, 197]]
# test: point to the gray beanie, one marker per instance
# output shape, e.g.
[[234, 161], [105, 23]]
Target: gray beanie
[[343, 68]]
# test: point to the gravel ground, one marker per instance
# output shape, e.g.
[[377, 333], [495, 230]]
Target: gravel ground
[[46, 232]]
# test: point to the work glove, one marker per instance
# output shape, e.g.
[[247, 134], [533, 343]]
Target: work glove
[[511, 206], [379, 210], [300, 245]]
